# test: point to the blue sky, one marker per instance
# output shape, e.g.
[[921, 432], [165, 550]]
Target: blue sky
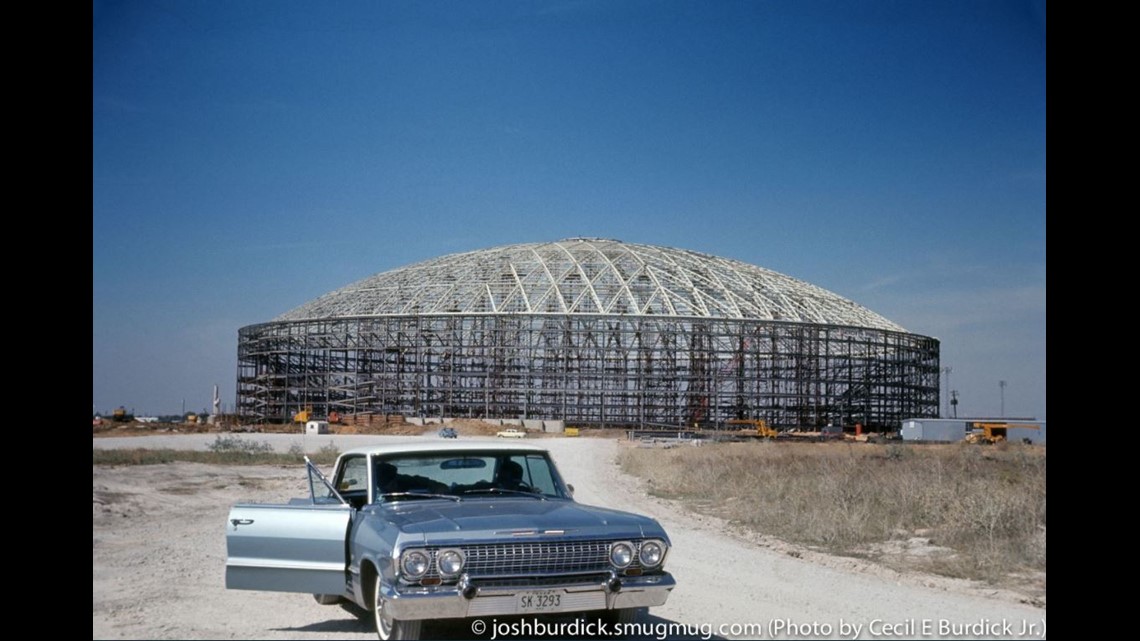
[[250, 156]]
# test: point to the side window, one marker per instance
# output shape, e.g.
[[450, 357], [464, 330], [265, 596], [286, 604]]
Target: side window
[[320, 487], [353, 476], [536, 473]]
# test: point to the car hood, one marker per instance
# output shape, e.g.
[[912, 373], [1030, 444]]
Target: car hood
[[488, 519]]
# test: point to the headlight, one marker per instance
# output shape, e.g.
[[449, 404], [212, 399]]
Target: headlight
[[652, 553], [414, 564], [450, 562], [621, 554]]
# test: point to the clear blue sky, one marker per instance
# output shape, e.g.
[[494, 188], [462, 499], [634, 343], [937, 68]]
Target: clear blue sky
[[250, 156]]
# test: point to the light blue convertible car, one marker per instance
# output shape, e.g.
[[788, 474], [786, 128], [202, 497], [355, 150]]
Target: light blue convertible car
[[434, 530]]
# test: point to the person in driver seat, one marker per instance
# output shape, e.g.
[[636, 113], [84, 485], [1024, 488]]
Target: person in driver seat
[[386, 478], [511, 476]]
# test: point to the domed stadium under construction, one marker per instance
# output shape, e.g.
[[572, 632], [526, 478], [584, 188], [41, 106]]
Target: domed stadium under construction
[[591, 331]]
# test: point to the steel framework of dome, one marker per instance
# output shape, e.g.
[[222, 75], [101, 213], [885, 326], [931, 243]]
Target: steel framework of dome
[[591, 331]]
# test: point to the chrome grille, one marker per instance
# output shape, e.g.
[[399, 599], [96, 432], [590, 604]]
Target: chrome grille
[[533, 558]]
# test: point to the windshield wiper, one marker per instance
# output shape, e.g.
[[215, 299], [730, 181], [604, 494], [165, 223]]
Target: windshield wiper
[[499, 490], [420, 495]]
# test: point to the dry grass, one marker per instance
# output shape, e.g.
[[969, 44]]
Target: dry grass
[[986, 504], [225, 450]]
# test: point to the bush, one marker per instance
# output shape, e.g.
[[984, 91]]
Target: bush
[[327, 453], [239, 445]]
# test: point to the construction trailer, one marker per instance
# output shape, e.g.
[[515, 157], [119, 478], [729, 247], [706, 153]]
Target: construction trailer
[[933, 430]]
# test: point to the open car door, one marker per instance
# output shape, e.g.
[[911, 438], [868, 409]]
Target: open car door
[[298, 547]]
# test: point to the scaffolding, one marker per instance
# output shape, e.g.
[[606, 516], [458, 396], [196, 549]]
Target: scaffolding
[[593, 331], [592, 370]]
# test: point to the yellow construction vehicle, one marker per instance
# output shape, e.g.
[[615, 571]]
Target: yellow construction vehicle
[[989, 433], [303, 415], [759, 429]]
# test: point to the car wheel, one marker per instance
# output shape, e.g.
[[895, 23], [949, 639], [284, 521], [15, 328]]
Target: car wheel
[[386, 626], [327, 599]]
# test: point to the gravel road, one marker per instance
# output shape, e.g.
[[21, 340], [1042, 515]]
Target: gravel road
[[158, 559]]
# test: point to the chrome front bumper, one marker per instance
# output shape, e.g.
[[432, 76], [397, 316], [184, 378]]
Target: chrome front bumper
[[448, 602]]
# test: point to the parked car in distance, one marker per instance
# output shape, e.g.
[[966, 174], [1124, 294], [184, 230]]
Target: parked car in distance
[[448, 432], [428, 530], [511, 432]]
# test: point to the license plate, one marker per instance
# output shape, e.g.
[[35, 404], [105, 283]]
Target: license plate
[[540, 601]]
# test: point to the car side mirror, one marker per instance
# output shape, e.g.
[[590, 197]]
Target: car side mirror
[[570, 487]]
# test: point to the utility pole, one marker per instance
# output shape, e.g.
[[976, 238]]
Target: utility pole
[[954, 401], [946, 370], [1001, 384]]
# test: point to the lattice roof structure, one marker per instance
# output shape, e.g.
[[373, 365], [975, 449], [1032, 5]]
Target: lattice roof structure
[[590, 276]]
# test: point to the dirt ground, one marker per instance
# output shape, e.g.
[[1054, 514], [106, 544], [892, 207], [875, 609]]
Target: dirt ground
[[158, 558]]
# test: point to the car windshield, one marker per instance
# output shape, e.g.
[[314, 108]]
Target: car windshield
[[464, 475]]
